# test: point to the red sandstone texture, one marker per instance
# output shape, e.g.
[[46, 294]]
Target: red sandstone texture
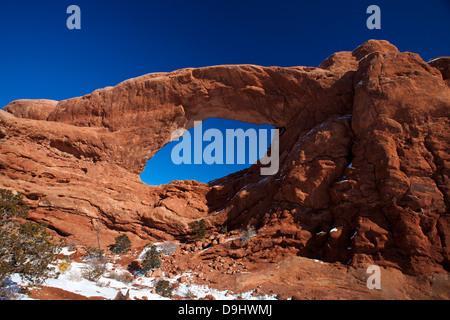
[[364, 160]]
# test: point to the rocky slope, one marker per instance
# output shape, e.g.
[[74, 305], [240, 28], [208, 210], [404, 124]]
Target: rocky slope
[[364, 160]]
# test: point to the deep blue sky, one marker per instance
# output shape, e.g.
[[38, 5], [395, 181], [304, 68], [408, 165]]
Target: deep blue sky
[[41, 58], [160, 169]]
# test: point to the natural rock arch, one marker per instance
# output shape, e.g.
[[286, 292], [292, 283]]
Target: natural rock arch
[[139, 115], [363, 159]]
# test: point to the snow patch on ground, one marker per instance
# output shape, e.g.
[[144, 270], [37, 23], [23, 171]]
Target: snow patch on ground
[[73, 280]]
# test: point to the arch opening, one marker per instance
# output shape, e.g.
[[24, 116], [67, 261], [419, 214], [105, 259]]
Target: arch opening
[[212, 149]]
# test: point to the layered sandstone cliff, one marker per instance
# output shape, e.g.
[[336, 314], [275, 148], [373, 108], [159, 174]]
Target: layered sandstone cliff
[[364, 159]]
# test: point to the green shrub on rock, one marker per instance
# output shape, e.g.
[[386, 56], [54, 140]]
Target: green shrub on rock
[[164, 288], [199, 229], [26, 247], [151, 259], [122, 245]]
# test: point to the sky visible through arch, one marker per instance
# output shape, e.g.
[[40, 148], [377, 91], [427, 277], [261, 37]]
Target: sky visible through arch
[[161, 169], [40, 58]]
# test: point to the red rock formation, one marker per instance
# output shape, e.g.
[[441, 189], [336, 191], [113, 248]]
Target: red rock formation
[[364, 161], [31, 109]]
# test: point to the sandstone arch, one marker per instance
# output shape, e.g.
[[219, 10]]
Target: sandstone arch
[[364, 158]]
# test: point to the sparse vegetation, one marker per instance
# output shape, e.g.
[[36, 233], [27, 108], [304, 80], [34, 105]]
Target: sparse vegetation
[[248, 234], [122, 245], [199, 229], [92, 273], [189, 295], [121, 275], [164, 288], [96, 259], [151, 259], [224, 229], [63, 265], [95, 254], [26, 248]]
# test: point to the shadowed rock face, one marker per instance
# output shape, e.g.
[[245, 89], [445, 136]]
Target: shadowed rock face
[[364, 159]]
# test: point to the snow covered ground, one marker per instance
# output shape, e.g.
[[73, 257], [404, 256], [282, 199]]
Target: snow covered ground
[[107, 286]]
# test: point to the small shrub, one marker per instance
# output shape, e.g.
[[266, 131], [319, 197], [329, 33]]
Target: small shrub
[[199, 229], [134, 266], [97, 261], [122, 276], [151, 259], [122, 245], [164, 288], [103, 283], [248, 234], [224, 229], [95, 254], [63, 265], [25, 248], [92, 273], [189, 295], [75, 275]]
